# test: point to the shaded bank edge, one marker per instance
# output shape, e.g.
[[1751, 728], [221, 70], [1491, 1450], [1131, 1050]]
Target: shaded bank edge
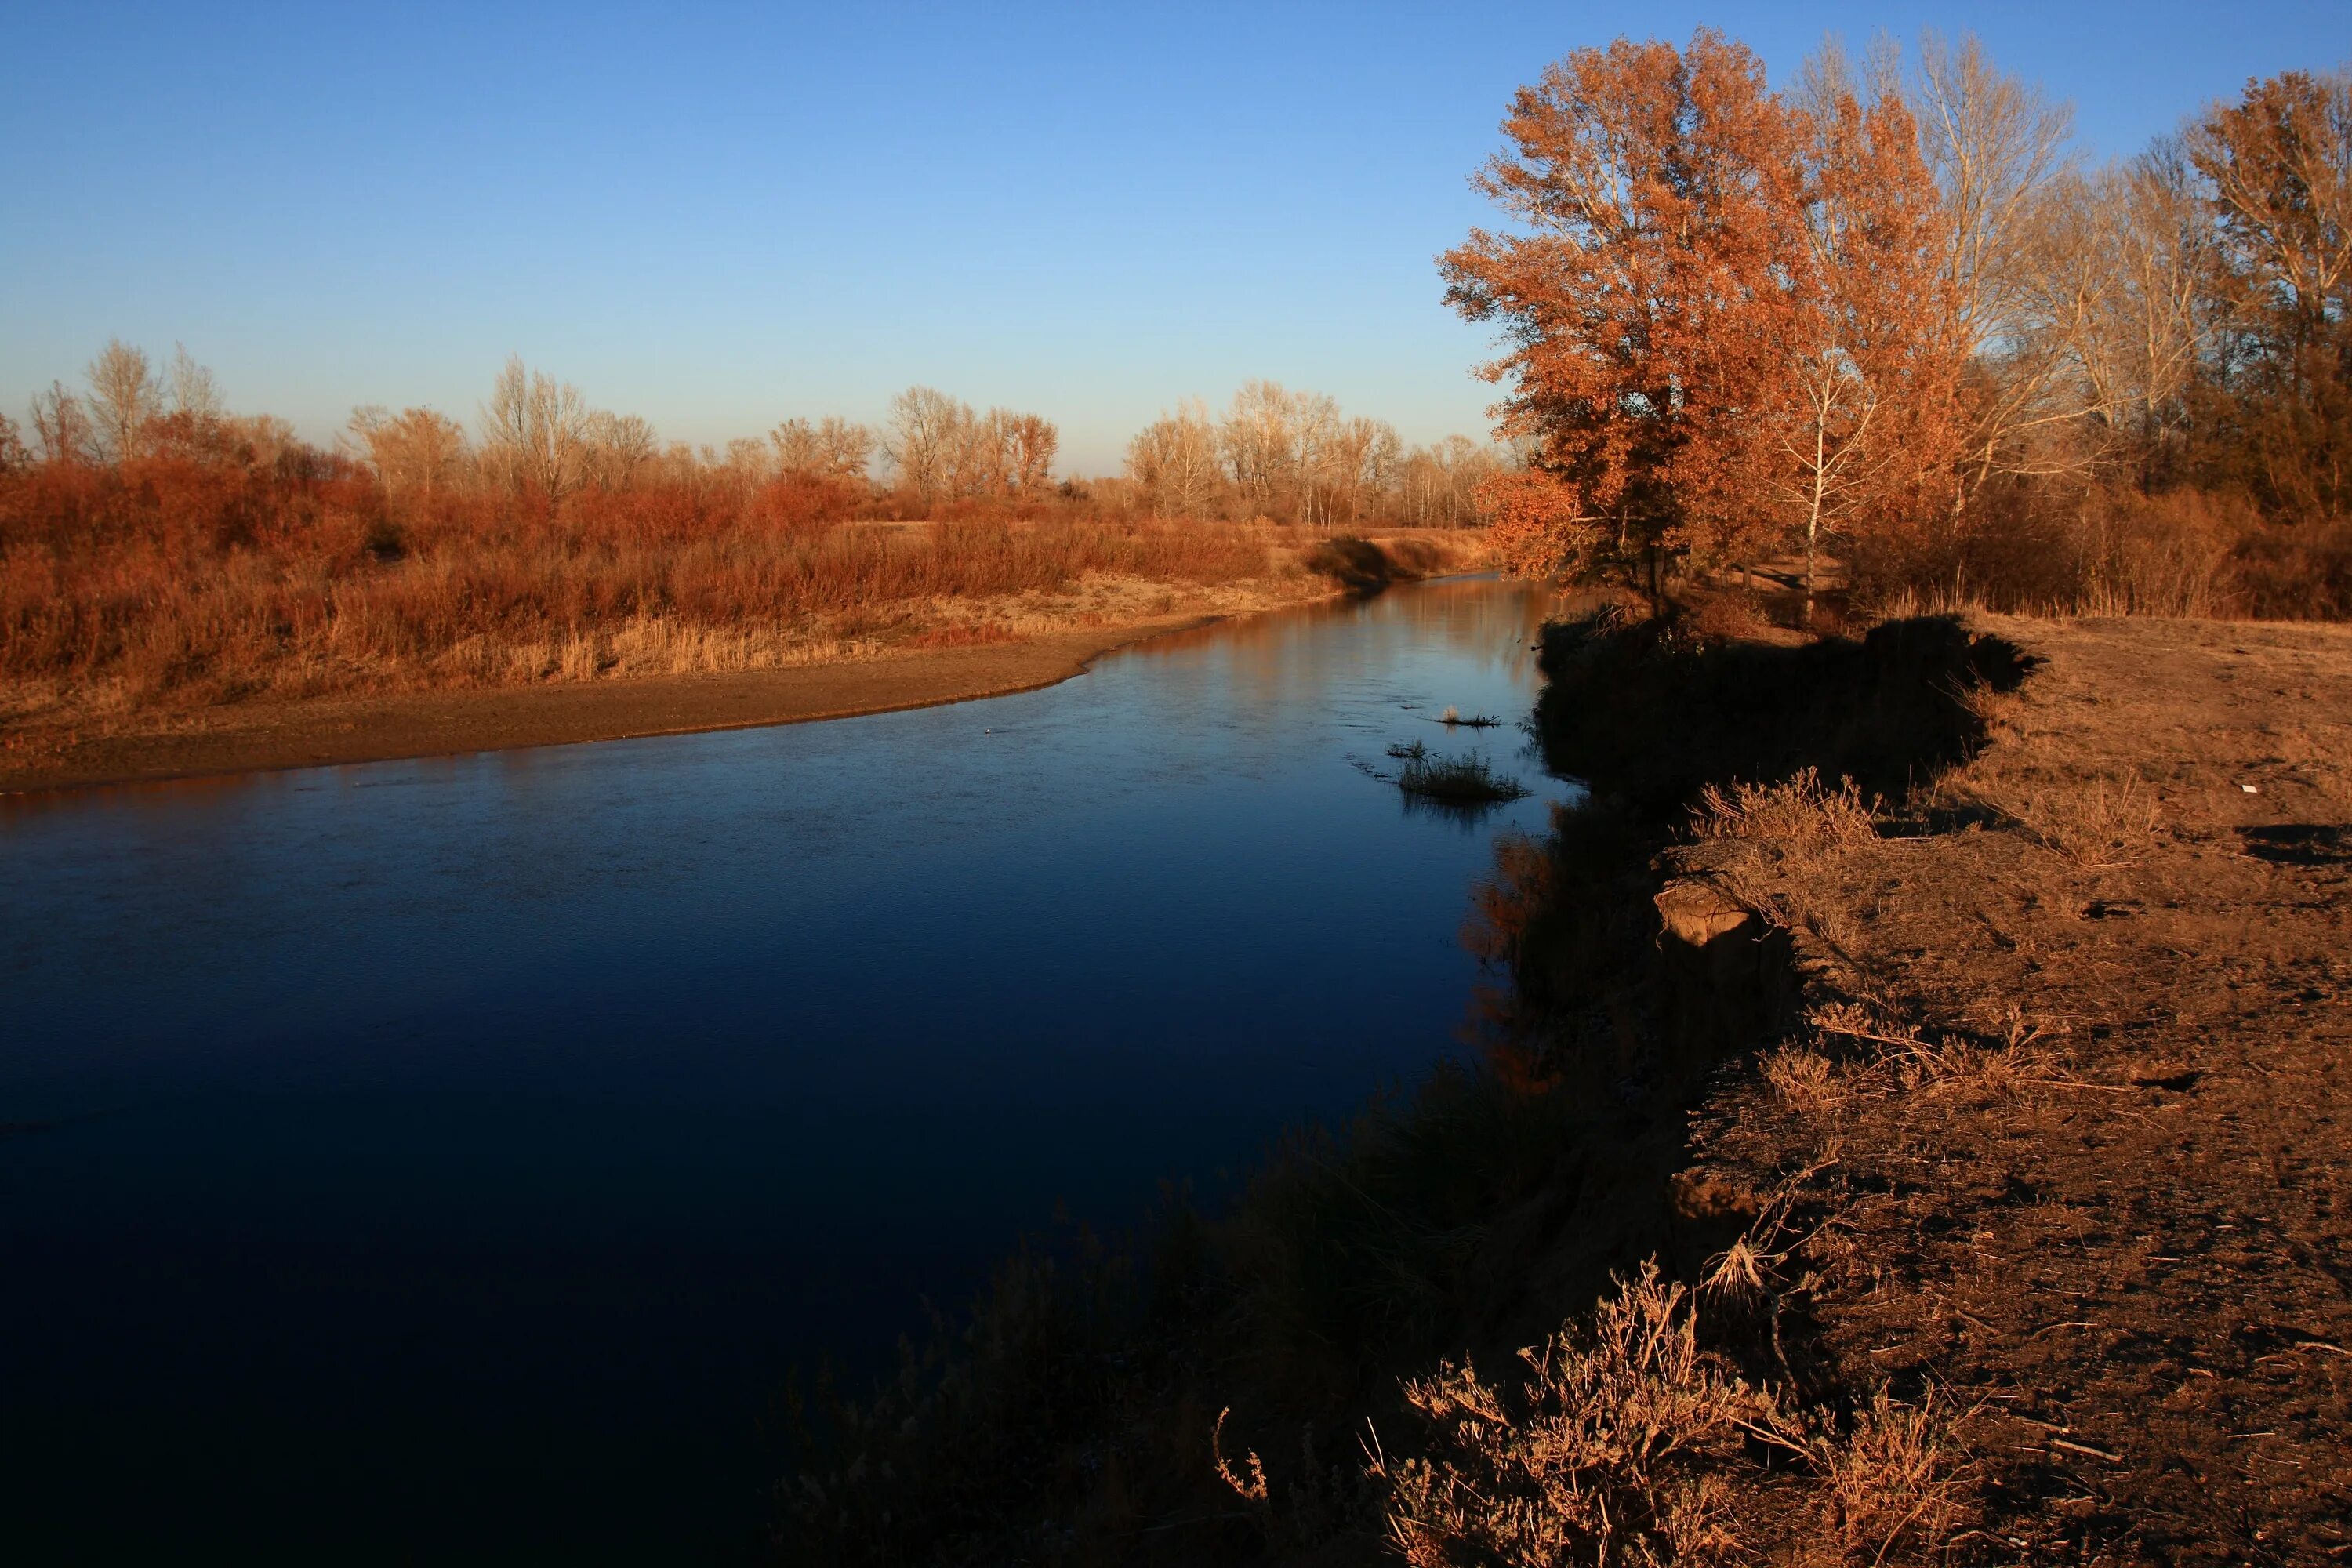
[[1112, 1402], [345, 731]]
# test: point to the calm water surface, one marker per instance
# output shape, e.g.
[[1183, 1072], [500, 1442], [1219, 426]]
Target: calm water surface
[[447, 1159]]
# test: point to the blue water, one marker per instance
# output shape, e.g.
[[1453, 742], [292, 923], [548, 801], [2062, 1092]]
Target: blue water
[[448, 1159]]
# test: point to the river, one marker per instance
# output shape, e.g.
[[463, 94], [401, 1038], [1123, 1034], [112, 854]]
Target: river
[[447, 1159]]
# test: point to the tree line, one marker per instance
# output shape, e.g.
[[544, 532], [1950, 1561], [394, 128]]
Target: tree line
[[1882, 311], [1292, 455], [1286, 456]]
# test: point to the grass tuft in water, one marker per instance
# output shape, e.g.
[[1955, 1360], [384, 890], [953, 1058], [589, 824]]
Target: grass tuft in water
[[1467, 780]]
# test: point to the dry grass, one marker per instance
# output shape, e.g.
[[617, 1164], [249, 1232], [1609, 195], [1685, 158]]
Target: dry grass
[[171, 584], [1897, 1478], [1800, 812], [1731, 615], [2096, 824], [140, 618], [1629, 1442], [2005, 1058], [1468, 780], [2114, 552], [1615, 1449], [1806, 1082]]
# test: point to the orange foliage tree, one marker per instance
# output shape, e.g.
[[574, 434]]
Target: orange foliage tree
[[1654, 192], [1725, 314]]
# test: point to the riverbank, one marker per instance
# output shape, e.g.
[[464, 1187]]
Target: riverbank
[[1984, 1123], [946, 651]]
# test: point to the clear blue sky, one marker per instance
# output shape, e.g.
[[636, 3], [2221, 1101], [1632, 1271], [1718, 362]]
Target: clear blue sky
[[720, 217]]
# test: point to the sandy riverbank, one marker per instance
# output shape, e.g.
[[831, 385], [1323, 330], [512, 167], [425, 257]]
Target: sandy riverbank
[[259, 735]]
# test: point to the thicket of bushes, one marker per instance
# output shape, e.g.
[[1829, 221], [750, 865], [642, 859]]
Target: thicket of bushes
[[173, 577], [2106, 549]]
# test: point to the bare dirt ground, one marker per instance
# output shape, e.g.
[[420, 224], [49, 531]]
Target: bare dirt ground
[[2064, 1151]]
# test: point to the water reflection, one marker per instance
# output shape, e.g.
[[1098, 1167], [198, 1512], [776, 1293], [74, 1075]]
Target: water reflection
[[467, 1146]]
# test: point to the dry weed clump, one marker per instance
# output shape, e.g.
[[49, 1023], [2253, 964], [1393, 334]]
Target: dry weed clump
[[1805, 1080], [2003, 1061], [1616, 1448], [2101, 825], [1996, 712], [1800, 812], [1730, 616], [1467, 780], [1898, 1476], [1629, 1443]]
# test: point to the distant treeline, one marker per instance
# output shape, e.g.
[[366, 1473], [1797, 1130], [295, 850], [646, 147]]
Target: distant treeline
[[1883, 312], [1284, 457]]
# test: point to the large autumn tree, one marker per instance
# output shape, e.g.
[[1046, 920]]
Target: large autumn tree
[[1649, 190], [1723, 312], [1858, 422]]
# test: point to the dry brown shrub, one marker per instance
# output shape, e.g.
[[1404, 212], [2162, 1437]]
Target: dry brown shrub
[[1615, 1449], [171, 582], [1628, 1444], [1896, 1479], [1800, 812], [1806, 1081], [1918, 1060], [1858, 1020], [1996, 712]]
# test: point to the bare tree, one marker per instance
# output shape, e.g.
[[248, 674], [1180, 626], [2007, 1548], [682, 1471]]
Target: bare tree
[[2113, 280], [1353, 462], [192, 391], [1437, 485], [1260, 445], [833, 448], [1995, 144], [942, 449], [414, 452], [1028, 442], [921, 439], [1321, 458], [61, 426], [1173, 461], [123, 395], [2164, 251], [534, 432], [619, 446]]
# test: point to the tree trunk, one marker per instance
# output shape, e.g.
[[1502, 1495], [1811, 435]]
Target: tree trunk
[[1813, 531]]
